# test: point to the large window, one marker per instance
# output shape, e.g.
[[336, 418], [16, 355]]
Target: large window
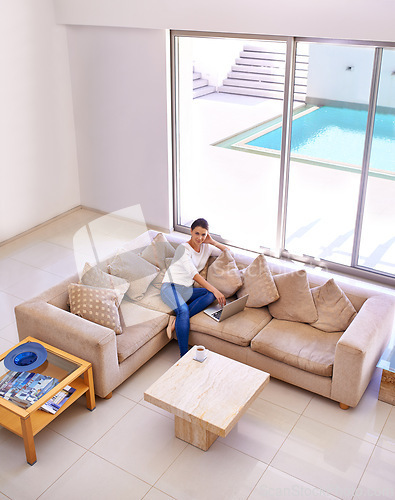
[[287, 146]]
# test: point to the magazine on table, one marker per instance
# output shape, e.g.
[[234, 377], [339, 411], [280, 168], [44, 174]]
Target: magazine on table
[[25, 388], [53, 405]]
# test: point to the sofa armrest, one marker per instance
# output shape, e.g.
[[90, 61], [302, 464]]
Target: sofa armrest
[[75, 335], [360, 347]]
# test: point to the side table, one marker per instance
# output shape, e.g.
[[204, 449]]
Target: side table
[[387, 386], [68, 370]]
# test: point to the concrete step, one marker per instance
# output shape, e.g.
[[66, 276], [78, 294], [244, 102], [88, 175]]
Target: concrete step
[[300, 89], [263, 77], [277, 47], [196, 75], [208, 89], [271, 94], [271, 56], [268, 70], [244, 61], [201, 82]]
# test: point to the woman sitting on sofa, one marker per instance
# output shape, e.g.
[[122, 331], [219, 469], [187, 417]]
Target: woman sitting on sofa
[[177, 289]]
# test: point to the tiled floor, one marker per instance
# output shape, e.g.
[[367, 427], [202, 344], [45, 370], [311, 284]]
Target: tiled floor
[[291, 443]]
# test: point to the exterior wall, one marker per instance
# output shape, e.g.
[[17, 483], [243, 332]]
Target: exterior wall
[[329, 79], [38, 160]]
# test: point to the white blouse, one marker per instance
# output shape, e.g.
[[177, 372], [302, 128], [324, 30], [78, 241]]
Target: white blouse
[[186, 264]]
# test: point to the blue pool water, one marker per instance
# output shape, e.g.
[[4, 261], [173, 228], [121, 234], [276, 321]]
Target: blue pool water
[[337, 135]]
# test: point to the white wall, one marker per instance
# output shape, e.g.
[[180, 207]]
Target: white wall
[[350, 19], [119, 82], [38, 163]]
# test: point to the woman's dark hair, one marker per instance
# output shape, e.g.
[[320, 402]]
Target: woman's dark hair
[[200, 223]]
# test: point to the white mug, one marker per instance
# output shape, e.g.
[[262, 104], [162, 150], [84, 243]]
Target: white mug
[[201, 352]]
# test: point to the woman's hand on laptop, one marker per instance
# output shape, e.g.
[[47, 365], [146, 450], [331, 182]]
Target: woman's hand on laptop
[[219, 296]]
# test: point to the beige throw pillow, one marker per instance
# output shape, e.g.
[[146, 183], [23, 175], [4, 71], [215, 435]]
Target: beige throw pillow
[[224, 274], [157, 283], [158, 251], [137, 271], [258, 282], [99, 305], [295, 302], [93, 276], [335, 311]]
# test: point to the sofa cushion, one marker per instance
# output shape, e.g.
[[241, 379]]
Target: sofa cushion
[[295, 302], [134, 269], [158, 251], [299, 345], [99, 305], [153, 300], [258, 282], [238, 329], [224, 274], [94, 276], [139, 326], [335, 311]]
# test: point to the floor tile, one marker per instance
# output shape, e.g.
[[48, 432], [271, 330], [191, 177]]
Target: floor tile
[[387, 438], [142, 443], [286, 395], [42, 254], [135, 386], [155, 494], [21, 481], [11, 271], [378, 479], [276, 484], [10, 333], [324, 457], [85, 427], [94, 478], [34, 283], [5, 345], [7, 305], [365, 421], [261, 430], [220, 472]]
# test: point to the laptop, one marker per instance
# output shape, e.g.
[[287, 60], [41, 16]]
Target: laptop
[[230, 308]]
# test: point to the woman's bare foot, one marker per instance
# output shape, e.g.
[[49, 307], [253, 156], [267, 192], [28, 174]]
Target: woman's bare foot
[[171, 327]]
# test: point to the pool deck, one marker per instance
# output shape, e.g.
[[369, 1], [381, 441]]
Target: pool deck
[[322, 202]]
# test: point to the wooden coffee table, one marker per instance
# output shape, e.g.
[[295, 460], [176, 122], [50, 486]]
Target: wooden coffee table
[[206, 398], [67, 369]]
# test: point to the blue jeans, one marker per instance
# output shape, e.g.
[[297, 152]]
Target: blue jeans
[[186, 301]]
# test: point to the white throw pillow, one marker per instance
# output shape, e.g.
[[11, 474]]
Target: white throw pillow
[[258, 282], [136, 270], [335, 311], [224, 274], [295, 302], [158, 251]]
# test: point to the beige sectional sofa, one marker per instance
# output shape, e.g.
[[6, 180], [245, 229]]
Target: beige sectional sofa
[[337, 365]]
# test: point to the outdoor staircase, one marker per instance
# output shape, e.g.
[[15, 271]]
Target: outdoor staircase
[[260, 72], [200, 85]]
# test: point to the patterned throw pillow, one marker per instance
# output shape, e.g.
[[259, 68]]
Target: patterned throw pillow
[[258, 283], [224, 274], [99, 305], [158, 251], [93, 276], [335, 311]]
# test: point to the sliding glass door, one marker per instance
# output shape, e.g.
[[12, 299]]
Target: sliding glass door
[[221, 85], [377, 247], [287, 146]]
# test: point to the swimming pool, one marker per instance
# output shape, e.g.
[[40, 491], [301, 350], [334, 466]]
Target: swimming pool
[[327, 135]]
